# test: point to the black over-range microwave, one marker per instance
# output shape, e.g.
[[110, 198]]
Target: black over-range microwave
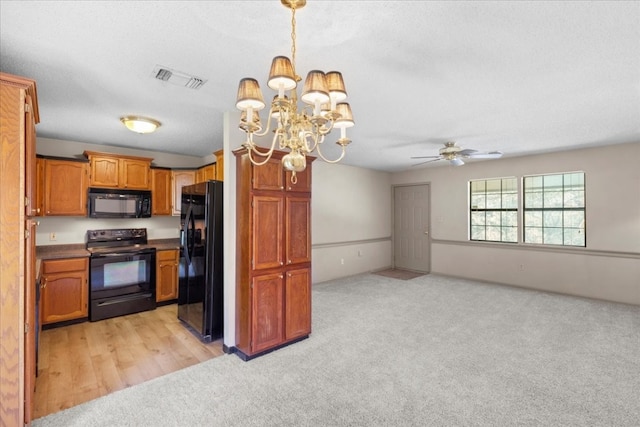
[[117, 203]]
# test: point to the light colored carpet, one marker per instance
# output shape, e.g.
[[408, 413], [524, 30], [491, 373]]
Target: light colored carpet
[[428, 351]]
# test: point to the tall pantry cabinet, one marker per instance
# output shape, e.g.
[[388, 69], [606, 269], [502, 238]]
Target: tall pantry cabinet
[[18, 117], [273, 258]]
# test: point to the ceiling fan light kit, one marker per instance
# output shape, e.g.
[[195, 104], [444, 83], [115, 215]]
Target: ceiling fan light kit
[[454, 154], [301, 131]]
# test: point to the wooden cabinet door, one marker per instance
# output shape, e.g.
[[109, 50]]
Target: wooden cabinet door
[[65, 188], [267, 232], [104, 171], [206, 173], [30, 177], [180, 179], [160, 192], [266, 312], [134, 174], [219, 165], [167, 275], [40, 186], [65, 290], [297, 303], [269, 176], [298, 230]]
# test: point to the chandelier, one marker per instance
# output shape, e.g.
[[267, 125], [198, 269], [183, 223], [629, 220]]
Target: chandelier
[[301, 131]]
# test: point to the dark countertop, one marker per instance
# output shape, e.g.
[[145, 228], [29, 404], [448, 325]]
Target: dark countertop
[[79, 250]]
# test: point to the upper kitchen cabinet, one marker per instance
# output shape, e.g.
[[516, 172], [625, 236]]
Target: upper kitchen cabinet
[[206, 173], [219, 165], [161, 191], [118, 171], [180, 179], [65, 187]]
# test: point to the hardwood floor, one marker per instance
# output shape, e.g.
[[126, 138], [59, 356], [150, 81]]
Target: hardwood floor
[[81, 362]]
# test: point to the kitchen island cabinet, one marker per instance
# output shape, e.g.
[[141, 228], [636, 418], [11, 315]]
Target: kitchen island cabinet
[[64, 290]]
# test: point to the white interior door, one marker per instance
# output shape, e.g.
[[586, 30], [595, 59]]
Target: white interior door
[[411, 228]]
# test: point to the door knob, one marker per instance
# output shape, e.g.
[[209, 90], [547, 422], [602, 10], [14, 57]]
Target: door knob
[[426, 232]]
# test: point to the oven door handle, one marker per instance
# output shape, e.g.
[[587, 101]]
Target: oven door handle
[[119, 254]]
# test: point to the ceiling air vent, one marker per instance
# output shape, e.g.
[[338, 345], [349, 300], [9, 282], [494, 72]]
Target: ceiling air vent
[[177, 77]]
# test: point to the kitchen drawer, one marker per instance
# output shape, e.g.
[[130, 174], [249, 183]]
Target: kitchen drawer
[[64, 265], [167, 255]]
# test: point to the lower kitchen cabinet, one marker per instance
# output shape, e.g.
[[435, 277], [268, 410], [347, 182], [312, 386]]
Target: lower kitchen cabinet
[[166, 275], [64, 289]]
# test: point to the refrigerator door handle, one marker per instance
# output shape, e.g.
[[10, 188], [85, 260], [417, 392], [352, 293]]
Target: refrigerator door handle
[[185, 231]]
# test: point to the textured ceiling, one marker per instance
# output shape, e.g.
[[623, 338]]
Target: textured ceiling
[[520, 77]]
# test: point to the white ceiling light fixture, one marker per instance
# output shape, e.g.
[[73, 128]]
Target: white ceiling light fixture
[[300, 131], [140, 124]]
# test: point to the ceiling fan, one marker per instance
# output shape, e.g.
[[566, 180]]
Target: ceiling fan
[[454, 154]]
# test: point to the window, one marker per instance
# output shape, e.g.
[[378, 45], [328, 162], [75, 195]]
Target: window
[[494, 210], [554, 209]]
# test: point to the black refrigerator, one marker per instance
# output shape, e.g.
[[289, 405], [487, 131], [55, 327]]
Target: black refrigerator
[[200, 288]]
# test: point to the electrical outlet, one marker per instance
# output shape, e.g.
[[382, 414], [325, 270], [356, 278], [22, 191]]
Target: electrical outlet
[[52, 236], [342, 261]]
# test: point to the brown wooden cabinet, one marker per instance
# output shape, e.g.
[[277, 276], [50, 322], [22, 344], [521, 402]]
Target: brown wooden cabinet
[[39, 200], [273, 263], [219, 165], [180, 179], [161, 192], [65, 187], [18, 117], [206, 173], [65, 289], [167, 275], [118, 171]]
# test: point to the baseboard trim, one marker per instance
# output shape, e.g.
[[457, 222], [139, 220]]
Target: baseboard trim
[[246, 357]]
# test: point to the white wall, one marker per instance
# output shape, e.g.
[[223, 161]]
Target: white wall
[[608, 268], [350, 219]]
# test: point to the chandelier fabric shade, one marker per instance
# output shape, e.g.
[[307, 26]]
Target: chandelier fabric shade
[[300, 129], [281, 76], [315, 88], [249, 95]]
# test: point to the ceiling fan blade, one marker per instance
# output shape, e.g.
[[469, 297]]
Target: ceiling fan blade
[[427, 157], [428, 161], [490, 155], [467, 152]]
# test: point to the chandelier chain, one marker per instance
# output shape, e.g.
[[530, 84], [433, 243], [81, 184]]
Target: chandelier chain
[[293, 41]]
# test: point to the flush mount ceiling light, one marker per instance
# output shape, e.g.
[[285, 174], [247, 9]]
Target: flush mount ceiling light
[[300, 131], [140, 124]]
